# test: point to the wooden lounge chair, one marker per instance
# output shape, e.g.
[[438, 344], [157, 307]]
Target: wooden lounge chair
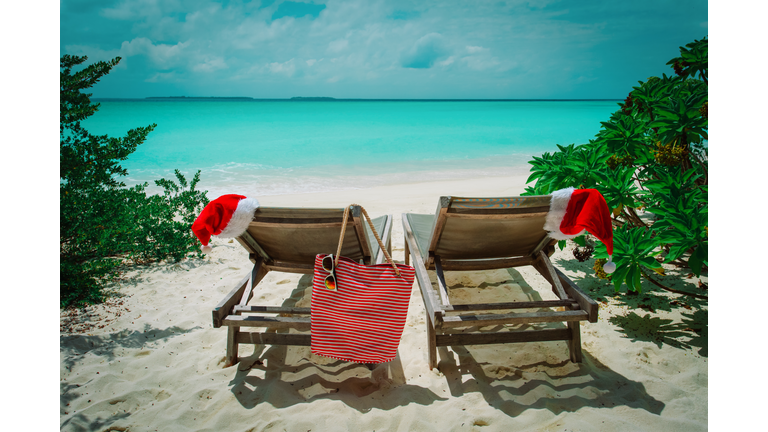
[[287, 240], [491, 233]]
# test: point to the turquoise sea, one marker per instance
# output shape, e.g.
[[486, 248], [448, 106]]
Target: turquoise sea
[[269, 147]]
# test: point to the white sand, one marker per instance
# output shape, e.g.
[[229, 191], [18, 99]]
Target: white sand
[[157, 362]]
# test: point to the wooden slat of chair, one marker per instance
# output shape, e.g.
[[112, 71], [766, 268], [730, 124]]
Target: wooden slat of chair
[[510, 305], [290, 267], [502, 337], [298, 323], [488, 264], [513, 318], [503, 203], [487, 215], [272, 309]]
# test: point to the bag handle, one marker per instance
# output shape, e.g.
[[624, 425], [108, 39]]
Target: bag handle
[[375, 234]]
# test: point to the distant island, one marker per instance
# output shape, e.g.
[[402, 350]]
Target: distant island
[[301, 98], [198, 97]]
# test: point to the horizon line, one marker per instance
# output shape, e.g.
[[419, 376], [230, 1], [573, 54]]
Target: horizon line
[[331, 99]]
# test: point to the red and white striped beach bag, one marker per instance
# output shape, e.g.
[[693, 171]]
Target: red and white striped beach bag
[[363, 318]]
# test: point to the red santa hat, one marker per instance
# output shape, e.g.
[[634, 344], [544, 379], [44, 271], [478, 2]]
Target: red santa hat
[[227, 216], [572, 211]]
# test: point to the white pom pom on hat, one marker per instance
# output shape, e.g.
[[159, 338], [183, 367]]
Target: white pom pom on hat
[[227, 216], [609, 267], [572, 211]]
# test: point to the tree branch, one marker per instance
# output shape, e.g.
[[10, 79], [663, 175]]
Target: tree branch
[[637, 218]]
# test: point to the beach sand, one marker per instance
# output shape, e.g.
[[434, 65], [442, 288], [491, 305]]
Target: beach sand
[[150, 359]]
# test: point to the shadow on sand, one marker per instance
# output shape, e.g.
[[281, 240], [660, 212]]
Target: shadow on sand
[[535, 376], [691, 333], [72, 347], [283, 376], [555, 386]]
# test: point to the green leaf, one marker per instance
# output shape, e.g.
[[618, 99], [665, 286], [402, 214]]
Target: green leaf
[[631, 277], [694, 262], [619, 275], [636, 281], [649, 262]]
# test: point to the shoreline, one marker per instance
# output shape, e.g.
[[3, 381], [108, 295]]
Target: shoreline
[[156, 362], [302, 181]]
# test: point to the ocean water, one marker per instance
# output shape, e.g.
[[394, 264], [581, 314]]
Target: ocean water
[[262, 148]]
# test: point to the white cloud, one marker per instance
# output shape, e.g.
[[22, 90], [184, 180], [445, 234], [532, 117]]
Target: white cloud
[[162, 55], [480, 58], [163, 77], [286, 68], [468, 46], [255, 33], [480, 63], [338, 45], [133, 9], [210, 65]]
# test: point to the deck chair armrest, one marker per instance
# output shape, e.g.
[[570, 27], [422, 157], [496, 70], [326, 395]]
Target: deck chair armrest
[[428, 295], [584, 301], [224, 308]]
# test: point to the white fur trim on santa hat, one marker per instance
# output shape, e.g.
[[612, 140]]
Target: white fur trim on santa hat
[[242, 216], [557, 207]]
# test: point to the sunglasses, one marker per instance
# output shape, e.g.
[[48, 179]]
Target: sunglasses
[[330, 280]]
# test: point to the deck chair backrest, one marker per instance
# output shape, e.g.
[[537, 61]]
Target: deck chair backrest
[[296, 235], [482, 228]]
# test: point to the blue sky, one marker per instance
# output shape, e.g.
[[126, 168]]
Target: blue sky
[[379, 49]]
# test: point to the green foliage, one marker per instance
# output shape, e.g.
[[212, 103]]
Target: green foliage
[[104, 225], [633, 248], [683, 215], [650, 155], [572, 165], [692, 60]]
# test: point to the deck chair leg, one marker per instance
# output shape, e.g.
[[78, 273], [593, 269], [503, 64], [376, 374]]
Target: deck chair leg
[[574, 343], [431, 345], [232, 345]]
